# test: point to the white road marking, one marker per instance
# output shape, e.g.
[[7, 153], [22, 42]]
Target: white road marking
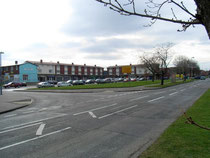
[[40, 129], [13, 129], [10, 115], [27, 112], [35, 138], [118, 111], [35, 121], [182, 90], [172, 89], [160, 92], [43, 109], [173, 93], [92, 114], [139, 98], [156, 99], [94, 109]]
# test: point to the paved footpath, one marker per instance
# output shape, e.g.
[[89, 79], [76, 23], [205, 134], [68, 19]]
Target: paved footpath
[[10, 102]]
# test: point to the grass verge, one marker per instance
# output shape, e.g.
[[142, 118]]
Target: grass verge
[[169, 84], [183, 140]]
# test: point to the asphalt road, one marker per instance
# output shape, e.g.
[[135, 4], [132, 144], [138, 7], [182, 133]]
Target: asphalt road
[[88, 125]]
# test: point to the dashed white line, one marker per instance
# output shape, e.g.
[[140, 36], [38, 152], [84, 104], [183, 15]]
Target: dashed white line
[[40, 129], [182, 90], [173, 93], [27, 112], [35, 138], [94, 109], [160, 92], [138, 98], [155, 99], [10, 115], [118, 111]]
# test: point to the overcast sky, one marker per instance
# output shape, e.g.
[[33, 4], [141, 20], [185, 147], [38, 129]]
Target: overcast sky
[[87, 32]]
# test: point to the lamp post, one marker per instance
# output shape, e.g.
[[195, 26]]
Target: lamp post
[[1, 74]]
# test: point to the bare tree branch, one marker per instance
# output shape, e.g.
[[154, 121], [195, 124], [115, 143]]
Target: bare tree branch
[[190, 121]]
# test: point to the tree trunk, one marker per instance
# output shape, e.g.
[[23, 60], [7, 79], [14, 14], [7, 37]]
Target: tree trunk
[[203, 13], [162, 78]]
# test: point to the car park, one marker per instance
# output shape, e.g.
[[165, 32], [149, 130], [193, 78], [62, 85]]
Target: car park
[[63, 84], [44, 84]]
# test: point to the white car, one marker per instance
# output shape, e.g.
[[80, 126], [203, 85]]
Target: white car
[[63, 84], [44, 84]]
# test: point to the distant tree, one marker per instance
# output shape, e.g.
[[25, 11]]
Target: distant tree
[[155, 7], [186, 66], [151, 63]]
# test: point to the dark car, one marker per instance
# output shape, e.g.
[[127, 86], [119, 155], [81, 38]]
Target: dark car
[[23, 84], [99, 81], [52, 82], [12, 84], [90, 81], [78, 82]]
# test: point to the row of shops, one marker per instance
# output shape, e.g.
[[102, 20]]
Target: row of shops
[[38, 71]]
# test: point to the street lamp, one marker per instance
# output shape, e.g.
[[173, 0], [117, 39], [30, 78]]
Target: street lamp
[[1, 74]]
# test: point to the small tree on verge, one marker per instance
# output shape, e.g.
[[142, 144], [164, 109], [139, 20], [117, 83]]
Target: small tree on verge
[[150, 61], [164, 55], [154, 8]]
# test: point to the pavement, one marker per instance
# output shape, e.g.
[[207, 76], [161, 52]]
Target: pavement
[[10, 103]]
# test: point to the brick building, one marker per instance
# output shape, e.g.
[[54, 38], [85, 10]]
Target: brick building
[[63, 72]]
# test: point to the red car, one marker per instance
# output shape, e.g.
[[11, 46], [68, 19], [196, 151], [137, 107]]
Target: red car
[[12, 84]]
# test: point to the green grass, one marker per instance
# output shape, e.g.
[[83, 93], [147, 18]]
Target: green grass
[[169, 84], [183, 140]]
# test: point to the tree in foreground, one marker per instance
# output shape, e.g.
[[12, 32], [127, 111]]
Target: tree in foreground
[[155, 11]]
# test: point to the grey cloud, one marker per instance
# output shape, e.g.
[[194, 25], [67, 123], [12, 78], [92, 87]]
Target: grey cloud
[[104, 57], [93, 19], [111, 45]]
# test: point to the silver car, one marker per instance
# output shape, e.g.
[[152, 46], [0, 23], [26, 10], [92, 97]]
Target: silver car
[[44, 84], [63, 84]]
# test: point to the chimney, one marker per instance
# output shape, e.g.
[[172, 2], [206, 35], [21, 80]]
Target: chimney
[[41, 61], [16, 62], [57, 62], [72, 63], [84, 64]]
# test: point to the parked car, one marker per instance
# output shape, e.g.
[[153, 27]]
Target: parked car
[[78, 82], [203, 78], [107, 80], [23, 84], [141, 79], [63, 84], [133, 79], [89, 81], [99, 81], [52, 82], [44, 84], [12, 84], [70, 81]]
